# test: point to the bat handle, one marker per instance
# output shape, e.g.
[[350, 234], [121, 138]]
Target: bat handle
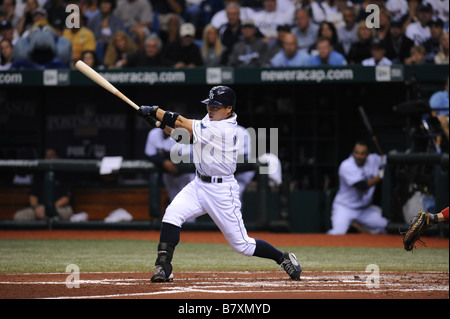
[[134, 105], [127, 100], [375, 140]]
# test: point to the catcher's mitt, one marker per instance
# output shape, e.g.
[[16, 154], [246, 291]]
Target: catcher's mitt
[[422, 221]]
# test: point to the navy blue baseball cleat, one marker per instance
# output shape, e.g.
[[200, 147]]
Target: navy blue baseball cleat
[[159, 275], [291, 266]]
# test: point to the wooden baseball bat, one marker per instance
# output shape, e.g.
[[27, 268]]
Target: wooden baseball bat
[[100, 80], [369, 129]]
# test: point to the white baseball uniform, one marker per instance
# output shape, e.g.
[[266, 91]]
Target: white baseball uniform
[[245, 148], [353, 204], [215, 148]]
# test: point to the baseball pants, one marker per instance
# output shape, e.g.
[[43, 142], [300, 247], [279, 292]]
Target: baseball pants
[[221, 202], [370, 217]]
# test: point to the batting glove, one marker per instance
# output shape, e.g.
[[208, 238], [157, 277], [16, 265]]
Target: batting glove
[[381, 172], [149, 113], [146, 110]]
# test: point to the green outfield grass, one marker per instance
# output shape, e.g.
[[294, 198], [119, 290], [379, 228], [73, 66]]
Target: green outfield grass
[[51, 255]]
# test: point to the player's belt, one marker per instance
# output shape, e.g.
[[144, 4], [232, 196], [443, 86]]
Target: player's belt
[[209, 179]]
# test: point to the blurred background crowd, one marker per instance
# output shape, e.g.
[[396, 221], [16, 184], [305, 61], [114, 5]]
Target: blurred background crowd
[[39, 34]]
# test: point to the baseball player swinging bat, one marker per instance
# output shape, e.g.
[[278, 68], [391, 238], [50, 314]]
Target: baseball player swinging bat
[[100, 80], [370, 130]]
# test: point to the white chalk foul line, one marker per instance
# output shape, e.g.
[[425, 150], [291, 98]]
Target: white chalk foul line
[[233, 285], [208, 291]]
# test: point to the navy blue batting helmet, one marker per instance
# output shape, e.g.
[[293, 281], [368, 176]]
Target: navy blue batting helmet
[[220, 96]]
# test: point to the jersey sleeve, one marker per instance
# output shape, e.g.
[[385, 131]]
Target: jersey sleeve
[[350, 175], [196, 129]]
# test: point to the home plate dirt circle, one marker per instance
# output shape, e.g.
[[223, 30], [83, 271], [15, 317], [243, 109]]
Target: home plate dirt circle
[[227, 285]]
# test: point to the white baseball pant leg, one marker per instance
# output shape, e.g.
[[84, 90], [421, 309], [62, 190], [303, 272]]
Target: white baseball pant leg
[[342, 216], [221, 202]]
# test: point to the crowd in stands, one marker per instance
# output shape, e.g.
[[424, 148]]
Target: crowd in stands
[[112, 34]]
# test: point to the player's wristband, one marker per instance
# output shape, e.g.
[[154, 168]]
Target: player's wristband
[[170, 119]]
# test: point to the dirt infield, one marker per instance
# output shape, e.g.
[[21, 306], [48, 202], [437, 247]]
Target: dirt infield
[[230, 285]]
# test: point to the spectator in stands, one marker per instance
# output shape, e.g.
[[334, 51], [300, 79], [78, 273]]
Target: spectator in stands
[[269, 18], [136, 17], [212, 47], [230, 33], [361, 49], [287, 6], [277, 46], [316, 10], [194, 13], [418, 55], [419, 31], [26, 22], [82, 39], [120, 46], [398, 8], [104, 24], [170, 17], [6, 54], [56, 14], [254, 4], [440, 11], [90, 58], [398, 46], [183, 52], [290, 55], [327, 55], [328, 8], [334, 11], [411, 15], [39, 20], [347, 34], [305, 30], [151, 56], [378, 55], [385, 22], [7, 31], [432, 45], [251, 50], [21, 4], [89, 9], [38, 209], [442, 56], [9, 8], [221, 17], [327, 30]]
